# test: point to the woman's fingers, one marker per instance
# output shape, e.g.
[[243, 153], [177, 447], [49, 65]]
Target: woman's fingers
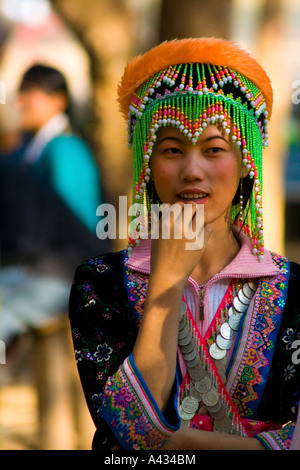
[[180, 241]]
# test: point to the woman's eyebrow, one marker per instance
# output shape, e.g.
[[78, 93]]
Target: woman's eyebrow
[[212, 137], [177, 139]]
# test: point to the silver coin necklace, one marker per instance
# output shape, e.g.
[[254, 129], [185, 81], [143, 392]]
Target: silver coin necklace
[[203, 394]]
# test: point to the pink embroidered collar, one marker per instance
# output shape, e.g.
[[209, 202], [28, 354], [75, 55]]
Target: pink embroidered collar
[[245, 264]]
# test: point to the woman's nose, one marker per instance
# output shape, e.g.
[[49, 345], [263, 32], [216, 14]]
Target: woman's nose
[[193, 165]]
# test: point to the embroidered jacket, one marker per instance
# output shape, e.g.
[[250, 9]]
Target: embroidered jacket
[[263, 373]]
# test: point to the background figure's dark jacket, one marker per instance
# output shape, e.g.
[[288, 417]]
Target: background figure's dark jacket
[[37, 229]]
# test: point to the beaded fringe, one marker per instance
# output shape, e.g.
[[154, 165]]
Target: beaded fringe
[[191, 109]]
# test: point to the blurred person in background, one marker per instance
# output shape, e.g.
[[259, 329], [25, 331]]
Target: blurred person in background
[[56, 155], [49, 191]]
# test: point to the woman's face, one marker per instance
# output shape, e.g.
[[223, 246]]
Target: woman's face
[[207, 173]]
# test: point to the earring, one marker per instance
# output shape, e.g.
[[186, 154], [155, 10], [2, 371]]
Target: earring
[[241, 205], [152, 192]]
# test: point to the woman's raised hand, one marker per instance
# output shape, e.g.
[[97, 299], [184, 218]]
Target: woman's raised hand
[[178, 241]]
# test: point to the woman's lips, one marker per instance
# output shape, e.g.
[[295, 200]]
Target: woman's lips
[[189, 196]]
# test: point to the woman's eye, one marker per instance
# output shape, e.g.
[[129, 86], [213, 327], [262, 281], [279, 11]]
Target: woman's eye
[[172, 151], [215, 150]]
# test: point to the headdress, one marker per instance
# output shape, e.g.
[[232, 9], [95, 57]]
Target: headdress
[[188, 84]]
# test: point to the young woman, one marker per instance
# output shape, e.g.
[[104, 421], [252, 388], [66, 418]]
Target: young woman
[[192, 348]]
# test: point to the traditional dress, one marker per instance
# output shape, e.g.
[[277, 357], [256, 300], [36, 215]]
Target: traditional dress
[[238, 346], [255, 386]]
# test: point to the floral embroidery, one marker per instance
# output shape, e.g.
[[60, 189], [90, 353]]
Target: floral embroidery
[[247, 388], [280, 439], [137, 289], [289, 372], [78, 355], [129, 417], [87, 287], [288, 335], [103, 352]]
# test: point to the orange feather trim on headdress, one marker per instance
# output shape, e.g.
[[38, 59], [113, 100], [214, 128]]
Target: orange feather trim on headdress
[[195, 50]]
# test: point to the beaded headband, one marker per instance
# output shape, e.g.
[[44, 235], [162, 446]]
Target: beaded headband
[[190, 84]]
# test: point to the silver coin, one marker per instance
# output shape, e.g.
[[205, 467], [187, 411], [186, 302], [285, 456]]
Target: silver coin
[[183, 309], [197, 372], [222, 375], [182, 324], [194, 392], [218, 414], [238, 306], [243, 298], [184, 415], [202, 410], [190, 355], [221, 367], [252, 285], [222, 424], [217, 407], [226, 331], [223, 361], [234, 321], [190, 404], [203, 385], [223, 343], [210, 398], [230, 311], [184, 332], [188, 347], [193, 362], [186, 340], [216, 352], [247, 291]]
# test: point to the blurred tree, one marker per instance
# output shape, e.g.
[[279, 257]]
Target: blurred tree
[[104, 29], [195, 18]]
